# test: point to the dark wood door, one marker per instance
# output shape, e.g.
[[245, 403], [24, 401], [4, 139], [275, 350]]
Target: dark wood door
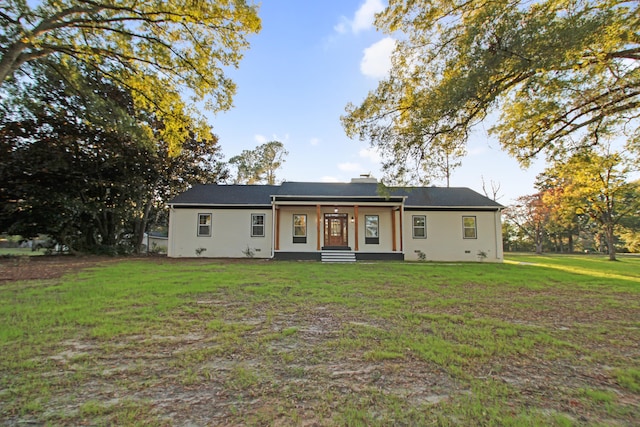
[[335, 230]]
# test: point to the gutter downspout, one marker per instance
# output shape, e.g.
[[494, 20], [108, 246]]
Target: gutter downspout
[[170, 243]]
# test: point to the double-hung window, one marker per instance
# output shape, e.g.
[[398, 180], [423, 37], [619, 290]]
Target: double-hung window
[[371, 229], [469, 227], [204, 225], [299, 228], [419, 223], [257, 225]]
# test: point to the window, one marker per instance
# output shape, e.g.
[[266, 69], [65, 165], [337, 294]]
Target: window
[[299, 228], [204, 225], [257, 225], [371, 236], [469, 227], [419, 227]]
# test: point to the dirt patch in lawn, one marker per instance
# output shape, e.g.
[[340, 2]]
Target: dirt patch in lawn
[[43, 267], [298, 368]]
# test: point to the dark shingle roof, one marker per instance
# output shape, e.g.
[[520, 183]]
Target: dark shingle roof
[[254, 195], [445, 197], [324, 189], [213, 194]]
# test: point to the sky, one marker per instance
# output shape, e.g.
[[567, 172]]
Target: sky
[[309, 61]]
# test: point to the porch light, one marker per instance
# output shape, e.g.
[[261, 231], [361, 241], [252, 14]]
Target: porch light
[[335, 210], [353, 219]]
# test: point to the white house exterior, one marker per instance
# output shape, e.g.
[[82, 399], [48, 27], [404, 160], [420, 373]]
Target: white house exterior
[[361, 219]]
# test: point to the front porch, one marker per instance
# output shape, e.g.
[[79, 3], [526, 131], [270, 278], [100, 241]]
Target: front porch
[[371, 230]]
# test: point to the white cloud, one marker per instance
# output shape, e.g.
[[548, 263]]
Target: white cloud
[[260, 139], [376, 61], [342, 27], [362, 20], [350, 167], [314, 141], [370, 154], [365, 15]]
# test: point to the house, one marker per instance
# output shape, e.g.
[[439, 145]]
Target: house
[[360, 220], [155, 241]]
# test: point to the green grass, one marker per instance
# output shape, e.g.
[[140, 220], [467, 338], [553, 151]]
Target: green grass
[[538, 340], [20, 252]]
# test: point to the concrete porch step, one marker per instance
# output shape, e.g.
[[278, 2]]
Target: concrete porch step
[[338, 256]]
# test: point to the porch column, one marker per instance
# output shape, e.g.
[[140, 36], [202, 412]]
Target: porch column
[[401, 231], [393, 230], [277, 245], [355, 213], [318, 220]]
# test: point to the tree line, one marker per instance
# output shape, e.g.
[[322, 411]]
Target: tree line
[[83, 164], [96, 132], [587, 203]]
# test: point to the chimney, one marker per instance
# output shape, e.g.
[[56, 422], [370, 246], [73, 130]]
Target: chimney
[[365, 178]]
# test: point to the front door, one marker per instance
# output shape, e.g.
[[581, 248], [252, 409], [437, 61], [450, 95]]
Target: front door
[[335, 230]]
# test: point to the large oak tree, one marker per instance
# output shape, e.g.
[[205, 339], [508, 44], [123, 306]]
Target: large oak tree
[[156, 49], [553, 72], [82, 164]]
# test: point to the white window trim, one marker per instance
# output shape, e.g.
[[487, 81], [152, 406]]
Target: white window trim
[[413, 227], [264, 218], [208, 224], [475, 227]]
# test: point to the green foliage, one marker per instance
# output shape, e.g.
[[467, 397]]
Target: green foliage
[[73, 142], [259, 166], [593, 183], [154, 49], [556, 70]]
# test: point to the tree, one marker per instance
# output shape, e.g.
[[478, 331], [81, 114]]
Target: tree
[[260, 164], [531, 217], [566, 215], [629, 227], [151, 48], [83, 165], [596, 183], [556, 70]]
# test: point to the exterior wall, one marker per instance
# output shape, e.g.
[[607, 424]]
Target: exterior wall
[[156, 243], [385, 232], [230, 233], [286, 229], [385, 244], [445, 241]]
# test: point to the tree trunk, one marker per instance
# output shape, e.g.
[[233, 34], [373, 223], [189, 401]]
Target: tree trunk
[[570, 243], [609, 234], [140, 225]]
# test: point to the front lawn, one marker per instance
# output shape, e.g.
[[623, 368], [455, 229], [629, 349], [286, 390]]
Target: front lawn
[[550, 340]]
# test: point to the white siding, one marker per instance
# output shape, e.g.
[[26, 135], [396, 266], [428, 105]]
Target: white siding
[[445, 241], [230, 234]]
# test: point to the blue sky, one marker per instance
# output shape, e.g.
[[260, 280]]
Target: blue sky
[[307, 63]]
